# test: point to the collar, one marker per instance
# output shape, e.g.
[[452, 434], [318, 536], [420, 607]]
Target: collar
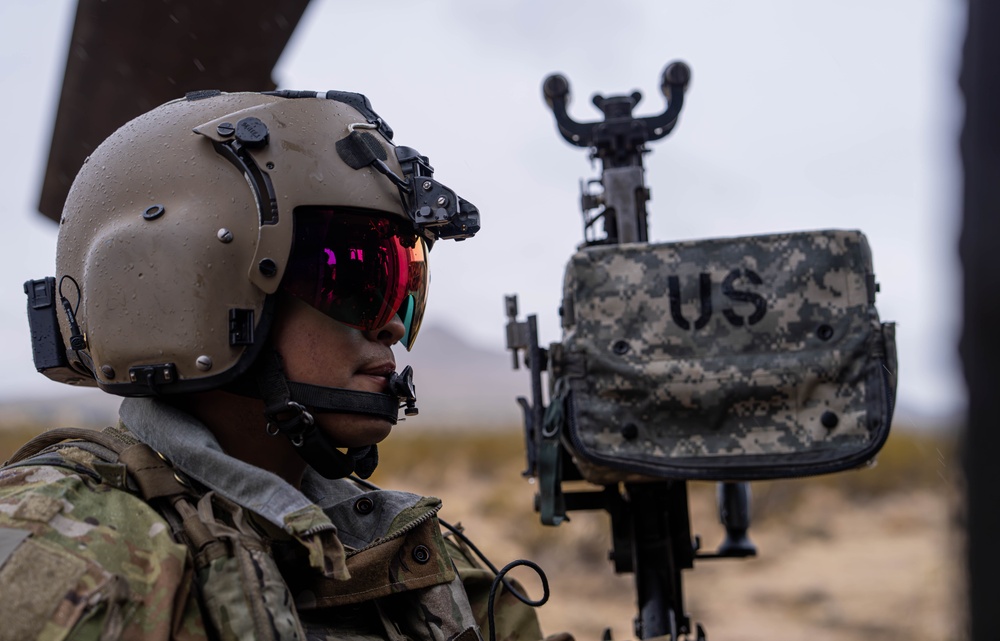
[[192, 448]]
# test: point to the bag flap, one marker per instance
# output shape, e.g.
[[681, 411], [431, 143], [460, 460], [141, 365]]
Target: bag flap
[[754, 357]]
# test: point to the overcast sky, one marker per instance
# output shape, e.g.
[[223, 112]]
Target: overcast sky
[[801, 115]]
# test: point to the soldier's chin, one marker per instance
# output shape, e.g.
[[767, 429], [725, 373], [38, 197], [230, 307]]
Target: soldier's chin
[[353, 430]]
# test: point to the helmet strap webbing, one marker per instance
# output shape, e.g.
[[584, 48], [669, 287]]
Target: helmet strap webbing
[[336, 399], [289, 407]]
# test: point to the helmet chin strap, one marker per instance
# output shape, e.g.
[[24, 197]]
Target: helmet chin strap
[[290, 409]]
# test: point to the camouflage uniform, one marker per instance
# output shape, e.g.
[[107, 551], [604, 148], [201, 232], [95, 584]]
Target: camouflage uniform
[[83, 556]]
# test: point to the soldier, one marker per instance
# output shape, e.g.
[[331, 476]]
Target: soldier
[[238, 266]]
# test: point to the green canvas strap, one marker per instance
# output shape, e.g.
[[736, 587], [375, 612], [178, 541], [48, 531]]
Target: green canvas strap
[[52, 437], [552, 505]]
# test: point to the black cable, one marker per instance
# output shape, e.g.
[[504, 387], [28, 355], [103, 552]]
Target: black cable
[[500, 579], [79, 294], [76, 340], [482, 557], [500, 574]]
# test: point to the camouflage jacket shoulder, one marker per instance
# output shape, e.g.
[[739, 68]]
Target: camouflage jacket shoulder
[[79, 555], [83, 559]]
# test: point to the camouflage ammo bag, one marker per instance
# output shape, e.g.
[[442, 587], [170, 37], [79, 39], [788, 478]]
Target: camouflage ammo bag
[[725, 359]]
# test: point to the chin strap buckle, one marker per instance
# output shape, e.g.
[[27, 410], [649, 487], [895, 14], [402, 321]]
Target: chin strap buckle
[[401, 385], [292, 419]]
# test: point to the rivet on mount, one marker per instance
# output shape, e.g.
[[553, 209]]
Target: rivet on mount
[[108, 371], [225, 235], [204, 363], [153, 212]]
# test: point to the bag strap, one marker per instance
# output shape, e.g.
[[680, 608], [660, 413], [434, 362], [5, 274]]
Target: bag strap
[[152, 473], [552, 503], [52, 437]]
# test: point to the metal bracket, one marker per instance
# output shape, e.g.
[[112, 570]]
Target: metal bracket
[[153, 376]]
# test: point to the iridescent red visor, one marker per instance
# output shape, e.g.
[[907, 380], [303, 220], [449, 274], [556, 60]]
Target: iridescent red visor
[[358, 269]]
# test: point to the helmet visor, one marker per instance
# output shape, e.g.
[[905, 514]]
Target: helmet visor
[[360, 269]]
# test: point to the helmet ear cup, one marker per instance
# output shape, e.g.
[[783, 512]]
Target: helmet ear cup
[[156, 292]]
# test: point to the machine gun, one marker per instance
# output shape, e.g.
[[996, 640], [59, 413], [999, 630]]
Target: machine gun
[[791, 379]]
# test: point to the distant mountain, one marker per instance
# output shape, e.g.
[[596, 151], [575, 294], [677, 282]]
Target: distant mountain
[[461, 385]]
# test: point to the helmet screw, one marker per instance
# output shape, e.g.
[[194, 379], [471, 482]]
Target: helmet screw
[[442, 201], [108, 371], [427, 185], [204, 363], [225, 235], [267, 267], [226, 129]]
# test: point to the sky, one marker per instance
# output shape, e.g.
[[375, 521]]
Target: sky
[[800, 116]]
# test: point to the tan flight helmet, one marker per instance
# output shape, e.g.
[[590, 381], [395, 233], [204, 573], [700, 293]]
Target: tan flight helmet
[[178, 230]]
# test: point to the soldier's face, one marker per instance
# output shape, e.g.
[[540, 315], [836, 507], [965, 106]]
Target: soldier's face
[[321, 351]]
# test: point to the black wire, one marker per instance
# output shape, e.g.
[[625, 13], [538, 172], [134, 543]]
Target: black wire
[[77, 341], [500, 574], [365, 482], [79, 296], [500, 579]]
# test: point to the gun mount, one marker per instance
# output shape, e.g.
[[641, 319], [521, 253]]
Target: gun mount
[[649, 520], [726, 359]]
